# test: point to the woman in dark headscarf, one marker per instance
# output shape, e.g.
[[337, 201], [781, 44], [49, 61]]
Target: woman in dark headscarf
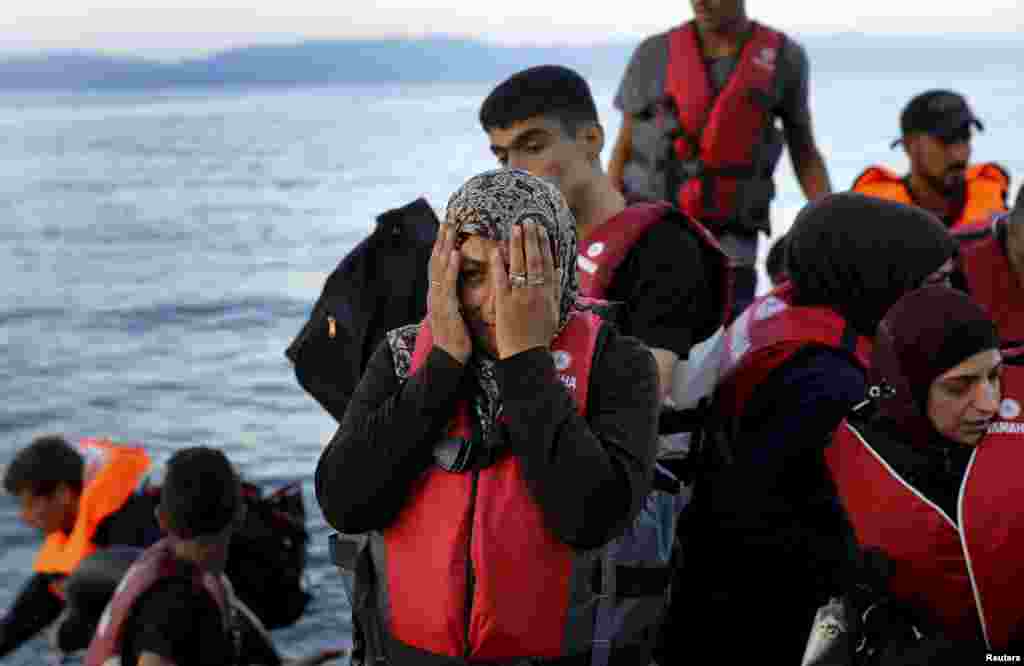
[[768, 534], [929, 473], [490, 447], [858, 255]]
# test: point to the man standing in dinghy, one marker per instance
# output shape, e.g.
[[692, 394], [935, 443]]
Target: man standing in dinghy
[[700, 105]]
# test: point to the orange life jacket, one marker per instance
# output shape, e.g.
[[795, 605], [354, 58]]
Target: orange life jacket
[[112, 474], [987, 184]]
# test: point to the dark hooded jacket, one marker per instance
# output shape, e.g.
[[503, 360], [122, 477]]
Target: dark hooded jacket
[[772, 541]]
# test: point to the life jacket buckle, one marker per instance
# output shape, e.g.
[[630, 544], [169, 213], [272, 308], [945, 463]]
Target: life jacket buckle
[[453, 454]]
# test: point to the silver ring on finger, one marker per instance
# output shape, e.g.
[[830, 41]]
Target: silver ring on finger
[[517, 280], [536, 282]]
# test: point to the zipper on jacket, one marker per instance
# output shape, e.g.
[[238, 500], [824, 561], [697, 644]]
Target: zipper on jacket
[[470, 579]]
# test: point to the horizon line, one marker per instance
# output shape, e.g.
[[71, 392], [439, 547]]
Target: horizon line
[[259, 40]]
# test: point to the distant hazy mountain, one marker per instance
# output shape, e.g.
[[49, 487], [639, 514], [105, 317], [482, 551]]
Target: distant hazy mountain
[[449, 59], [307, 63]]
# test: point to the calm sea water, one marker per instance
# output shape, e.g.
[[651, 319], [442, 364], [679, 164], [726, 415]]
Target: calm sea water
[[158, 253]]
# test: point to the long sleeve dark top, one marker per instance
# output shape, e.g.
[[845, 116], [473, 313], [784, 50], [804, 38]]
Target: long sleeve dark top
[[666, 296], [587, 474], [776, 543]]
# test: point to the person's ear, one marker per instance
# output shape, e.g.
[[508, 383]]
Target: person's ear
[[591, 135]]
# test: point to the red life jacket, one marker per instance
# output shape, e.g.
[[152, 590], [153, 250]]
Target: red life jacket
[[725, 132], [470, 569], [990, 277], [966, 572], [604, 250], [769, 333], [157, 563]]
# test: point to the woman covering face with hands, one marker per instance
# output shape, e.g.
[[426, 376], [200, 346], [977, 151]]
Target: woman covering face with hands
[[498, 262], [511, 420]]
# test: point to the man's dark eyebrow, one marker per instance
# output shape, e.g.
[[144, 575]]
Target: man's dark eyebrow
[[522, 139], [530, 135]]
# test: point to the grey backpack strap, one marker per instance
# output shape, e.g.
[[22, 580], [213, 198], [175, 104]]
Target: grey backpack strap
[[605, 622]]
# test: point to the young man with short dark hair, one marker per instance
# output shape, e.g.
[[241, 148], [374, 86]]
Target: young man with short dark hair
[[669, 275], [82, 498]]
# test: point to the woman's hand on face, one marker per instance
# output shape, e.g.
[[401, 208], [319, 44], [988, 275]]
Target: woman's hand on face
[[446, 322], [527, 295]]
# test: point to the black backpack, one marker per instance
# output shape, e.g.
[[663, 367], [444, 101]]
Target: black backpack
[[380, 285], [267, 558]]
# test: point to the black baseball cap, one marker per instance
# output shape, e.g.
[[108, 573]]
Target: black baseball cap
[[941, 113]]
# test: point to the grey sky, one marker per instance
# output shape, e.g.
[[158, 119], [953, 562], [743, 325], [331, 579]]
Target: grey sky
[[151, 28]]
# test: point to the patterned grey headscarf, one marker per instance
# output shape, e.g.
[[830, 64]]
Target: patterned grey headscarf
[[489, 205]]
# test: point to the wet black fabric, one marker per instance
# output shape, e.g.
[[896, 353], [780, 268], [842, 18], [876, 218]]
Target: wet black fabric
[[134, 524], [767, 541], [178, 622], [34, 609], [668, 287], [378, 286], [859, 254]]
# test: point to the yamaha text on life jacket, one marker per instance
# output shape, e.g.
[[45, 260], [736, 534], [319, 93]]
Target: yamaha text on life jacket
[[963, 568]]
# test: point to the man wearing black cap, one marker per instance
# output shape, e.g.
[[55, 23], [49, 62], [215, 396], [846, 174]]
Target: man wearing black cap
[[936, 135]]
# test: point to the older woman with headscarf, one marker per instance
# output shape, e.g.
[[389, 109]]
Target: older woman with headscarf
[[490, 449], [929, 473], [767, 540]]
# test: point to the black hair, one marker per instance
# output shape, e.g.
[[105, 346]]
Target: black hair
[[775, 263], [43, 465], [201, 493], [550, 91]]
